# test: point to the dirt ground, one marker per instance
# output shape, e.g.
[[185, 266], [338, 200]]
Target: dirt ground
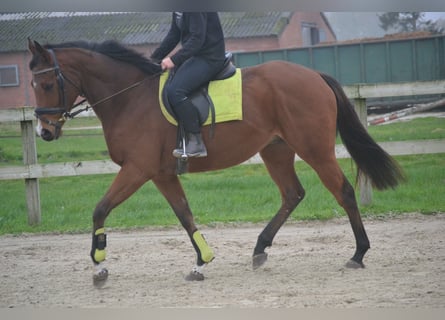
[[405, 267]]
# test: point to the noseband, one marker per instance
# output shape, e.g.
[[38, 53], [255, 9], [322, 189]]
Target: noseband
[[65, 113]]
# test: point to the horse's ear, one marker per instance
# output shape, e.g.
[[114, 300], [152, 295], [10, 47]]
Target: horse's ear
[[37, 49], [31, 46]]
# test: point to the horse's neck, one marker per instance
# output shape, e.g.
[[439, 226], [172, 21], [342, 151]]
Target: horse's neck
[[102, 76], [104, 80]]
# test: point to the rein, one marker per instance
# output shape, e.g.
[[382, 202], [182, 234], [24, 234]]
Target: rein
[[66, 111], [70, 115]]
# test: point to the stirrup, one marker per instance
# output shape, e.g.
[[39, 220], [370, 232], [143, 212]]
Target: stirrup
[[180, 153]]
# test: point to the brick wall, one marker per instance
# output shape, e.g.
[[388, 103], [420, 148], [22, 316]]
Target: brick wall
[[17, 95]]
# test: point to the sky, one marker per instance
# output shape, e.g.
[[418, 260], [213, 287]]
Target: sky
[[434, 15], [358, 25]]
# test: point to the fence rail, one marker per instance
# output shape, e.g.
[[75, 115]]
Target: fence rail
[[81, 168], [31, 171]]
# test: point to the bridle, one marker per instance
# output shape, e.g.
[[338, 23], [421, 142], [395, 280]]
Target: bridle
[[65, 111]]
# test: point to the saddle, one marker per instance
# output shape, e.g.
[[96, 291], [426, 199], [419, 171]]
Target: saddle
[[201, 98]]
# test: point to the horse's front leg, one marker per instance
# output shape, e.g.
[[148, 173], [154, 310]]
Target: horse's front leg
[[171, 188], [128, 180]]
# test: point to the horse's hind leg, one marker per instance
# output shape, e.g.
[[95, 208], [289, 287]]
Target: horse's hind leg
[[279, 160], [335, 181], [171, 188]]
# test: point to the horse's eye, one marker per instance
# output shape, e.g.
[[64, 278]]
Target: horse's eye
[[47, 86]]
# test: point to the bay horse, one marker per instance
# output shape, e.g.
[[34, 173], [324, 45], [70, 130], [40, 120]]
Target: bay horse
[[288, 109]]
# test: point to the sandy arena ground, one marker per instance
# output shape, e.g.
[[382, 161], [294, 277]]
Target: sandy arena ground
[[405, 267]]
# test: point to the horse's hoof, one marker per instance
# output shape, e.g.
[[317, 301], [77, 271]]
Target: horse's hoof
[[351, 264], [258, 260], [194, 276], [100, 278]]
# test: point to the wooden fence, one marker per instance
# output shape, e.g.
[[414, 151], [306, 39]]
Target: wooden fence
[[31, 171]]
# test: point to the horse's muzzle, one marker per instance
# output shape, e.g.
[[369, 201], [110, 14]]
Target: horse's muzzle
[[46, 135]]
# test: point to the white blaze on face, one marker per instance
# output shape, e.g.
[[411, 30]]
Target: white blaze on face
[[39, 128]]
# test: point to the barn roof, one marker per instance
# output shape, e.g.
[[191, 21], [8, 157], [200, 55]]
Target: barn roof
[[131, 28]]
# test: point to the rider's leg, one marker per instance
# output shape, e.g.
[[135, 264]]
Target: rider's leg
[[191, 75]]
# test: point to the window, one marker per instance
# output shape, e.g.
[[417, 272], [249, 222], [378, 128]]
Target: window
[[322, 35], [315, 36], [9, 76], [311, 34]]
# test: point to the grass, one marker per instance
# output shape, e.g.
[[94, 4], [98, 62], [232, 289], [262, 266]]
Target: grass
[[417, 129], [73, 145], [239, 194]]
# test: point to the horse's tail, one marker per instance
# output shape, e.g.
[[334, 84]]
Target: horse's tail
[[370, 158]]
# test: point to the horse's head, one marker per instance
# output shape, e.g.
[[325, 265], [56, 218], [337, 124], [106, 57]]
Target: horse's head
[[55, 93]]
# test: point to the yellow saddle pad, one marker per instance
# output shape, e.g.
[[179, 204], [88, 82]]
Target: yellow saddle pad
[[226, 96]]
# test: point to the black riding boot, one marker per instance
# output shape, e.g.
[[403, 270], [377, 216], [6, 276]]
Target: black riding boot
[[194, 145]]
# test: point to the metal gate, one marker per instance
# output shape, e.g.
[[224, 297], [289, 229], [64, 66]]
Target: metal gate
[[402, 60]]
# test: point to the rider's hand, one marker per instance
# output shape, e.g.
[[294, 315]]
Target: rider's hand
[[167, 63]]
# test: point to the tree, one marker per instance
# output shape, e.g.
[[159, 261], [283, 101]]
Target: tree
[[407, 22]]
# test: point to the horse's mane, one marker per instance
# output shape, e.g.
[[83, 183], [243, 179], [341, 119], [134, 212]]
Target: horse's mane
[[114, 50]]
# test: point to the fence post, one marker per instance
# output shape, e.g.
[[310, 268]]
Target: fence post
[[31, 185], [364, 183]]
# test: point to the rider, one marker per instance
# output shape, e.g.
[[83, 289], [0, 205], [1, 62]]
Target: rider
[[197, 61]]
